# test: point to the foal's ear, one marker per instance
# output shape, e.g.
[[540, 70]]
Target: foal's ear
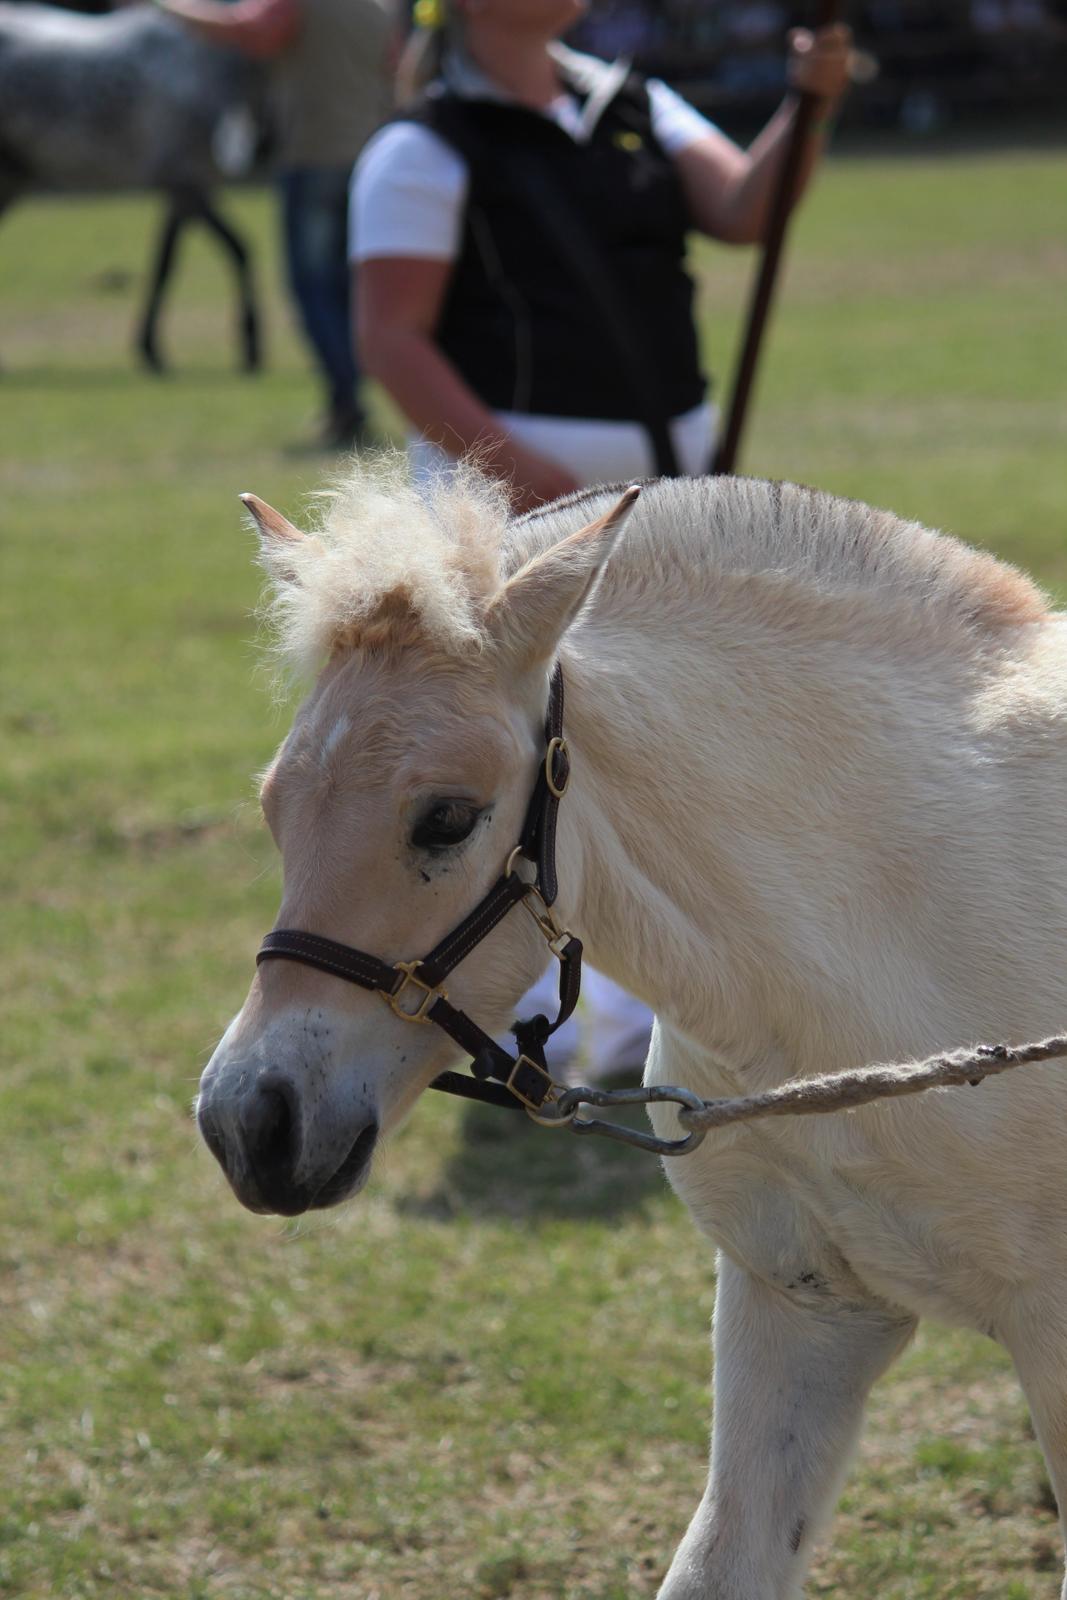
[[273, 527], [533, 610]]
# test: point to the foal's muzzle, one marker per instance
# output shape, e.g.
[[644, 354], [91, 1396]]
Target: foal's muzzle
[[274, 1156]]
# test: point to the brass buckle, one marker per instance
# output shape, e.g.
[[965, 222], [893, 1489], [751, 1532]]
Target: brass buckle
[[556, 746], [430, 993], [532, 1106], [556, 938]]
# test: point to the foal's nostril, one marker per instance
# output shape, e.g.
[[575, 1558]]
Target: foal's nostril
[[210, 1134], [352, 1172], [271, 1129]]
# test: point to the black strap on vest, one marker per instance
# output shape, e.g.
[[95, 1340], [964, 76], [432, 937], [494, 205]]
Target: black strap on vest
[[413, 989]]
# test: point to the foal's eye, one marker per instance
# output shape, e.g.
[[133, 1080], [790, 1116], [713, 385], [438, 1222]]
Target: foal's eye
[[446, 823]]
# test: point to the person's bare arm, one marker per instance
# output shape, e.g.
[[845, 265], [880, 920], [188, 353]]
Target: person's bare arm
[[258, 28], [398, 304], [729, 190]]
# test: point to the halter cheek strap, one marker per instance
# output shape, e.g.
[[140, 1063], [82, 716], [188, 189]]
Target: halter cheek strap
[[414, 990]]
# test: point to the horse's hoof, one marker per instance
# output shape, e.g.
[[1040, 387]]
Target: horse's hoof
[[251, 347], [151, 359]]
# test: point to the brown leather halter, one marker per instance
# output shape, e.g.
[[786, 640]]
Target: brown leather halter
[[414, 989]]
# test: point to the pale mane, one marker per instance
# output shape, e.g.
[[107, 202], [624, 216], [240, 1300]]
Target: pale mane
[[389, 564], [689, 535]]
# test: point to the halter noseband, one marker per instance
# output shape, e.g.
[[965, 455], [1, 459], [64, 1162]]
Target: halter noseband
[[413, 989]]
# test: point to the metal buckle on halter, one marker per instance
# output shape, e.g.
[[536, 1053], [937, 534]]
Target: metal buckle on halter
[[556, 938], [430, 993], [523, 1065], [557, 746]]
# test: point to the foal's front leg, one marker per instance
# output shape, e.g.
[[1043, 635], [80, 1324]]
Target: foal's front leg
[[791, 1380], [1037, 1340]]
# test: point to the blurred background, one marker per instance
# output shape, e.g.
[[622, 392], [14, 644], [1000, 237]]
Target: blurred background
[[941, 62], [489, 1377]]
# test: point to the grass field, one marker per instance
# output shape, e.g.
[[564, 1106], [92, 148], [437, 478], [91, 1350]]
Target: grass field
[[489, 1378]]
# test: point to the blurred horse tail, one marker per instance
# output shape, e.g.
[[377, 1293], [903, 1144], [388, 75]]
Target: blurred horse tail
[[132, 100]]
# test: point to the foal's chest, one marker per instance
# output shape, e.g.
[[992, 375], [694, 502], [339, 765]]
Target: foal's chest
[[807, 1208]]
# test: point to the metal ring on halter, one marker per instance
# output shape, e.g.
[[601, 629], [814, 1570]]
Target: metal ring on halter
[[556, 746], [559, 1121], [519, 854]]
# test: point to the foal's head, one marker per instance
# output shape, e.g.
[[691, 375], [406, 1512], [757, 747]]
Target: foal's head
[[395, 802]]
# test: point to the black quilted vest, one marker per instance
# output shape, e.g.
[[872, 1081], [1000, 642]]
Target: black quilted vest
[[515, 322]]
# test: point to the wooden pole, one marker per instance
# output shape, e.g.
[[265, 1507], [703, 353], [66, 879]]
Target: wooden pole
[[763, 291]]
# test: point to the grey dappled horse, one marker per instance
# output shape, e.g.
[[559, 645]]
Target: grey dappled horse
[[131, 100]]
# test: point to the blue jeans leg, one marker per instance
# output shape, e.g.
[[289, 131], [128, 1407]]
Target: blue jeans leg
[[315, 226]]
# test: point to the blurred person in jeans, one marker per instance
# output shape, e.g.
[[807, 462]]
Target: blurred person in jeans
[[329, 65]]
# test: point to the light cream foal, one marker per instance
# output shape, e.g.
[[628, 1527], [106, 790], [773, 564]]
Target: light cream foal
[[816, 819]]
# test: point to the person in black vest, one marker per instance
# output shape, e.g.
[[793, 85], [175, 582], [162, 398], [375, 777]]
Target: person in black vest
[[519, 232]]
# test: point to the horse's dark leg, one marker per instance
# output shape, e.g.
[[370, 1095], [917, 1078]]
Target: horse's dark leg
[[179, 211], [239, 252], [8, 193]]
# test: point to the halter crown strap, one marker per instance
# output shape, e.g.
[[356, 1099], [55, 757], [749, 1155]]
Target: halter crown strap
[[413, 988]]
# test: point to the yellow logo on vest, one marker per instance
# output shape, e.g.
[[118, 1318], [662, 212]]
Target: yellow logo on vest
[[629, 141]]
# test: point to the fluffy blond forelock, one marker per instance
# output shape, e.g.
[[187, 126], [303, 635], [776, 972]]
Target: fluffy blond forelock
[[386, 564]]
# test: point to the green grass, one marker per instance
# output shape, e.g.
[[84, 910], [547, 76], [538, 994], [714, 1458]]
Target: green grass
[[489, 1377]]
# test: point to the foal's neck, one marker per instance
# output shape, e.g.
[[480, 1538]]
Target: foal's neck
[[776, 703], [746, 826], [657, 895]]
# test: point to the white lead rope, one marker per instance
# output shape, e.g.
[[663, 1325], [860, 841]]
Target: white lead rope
[[838, 1091]]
